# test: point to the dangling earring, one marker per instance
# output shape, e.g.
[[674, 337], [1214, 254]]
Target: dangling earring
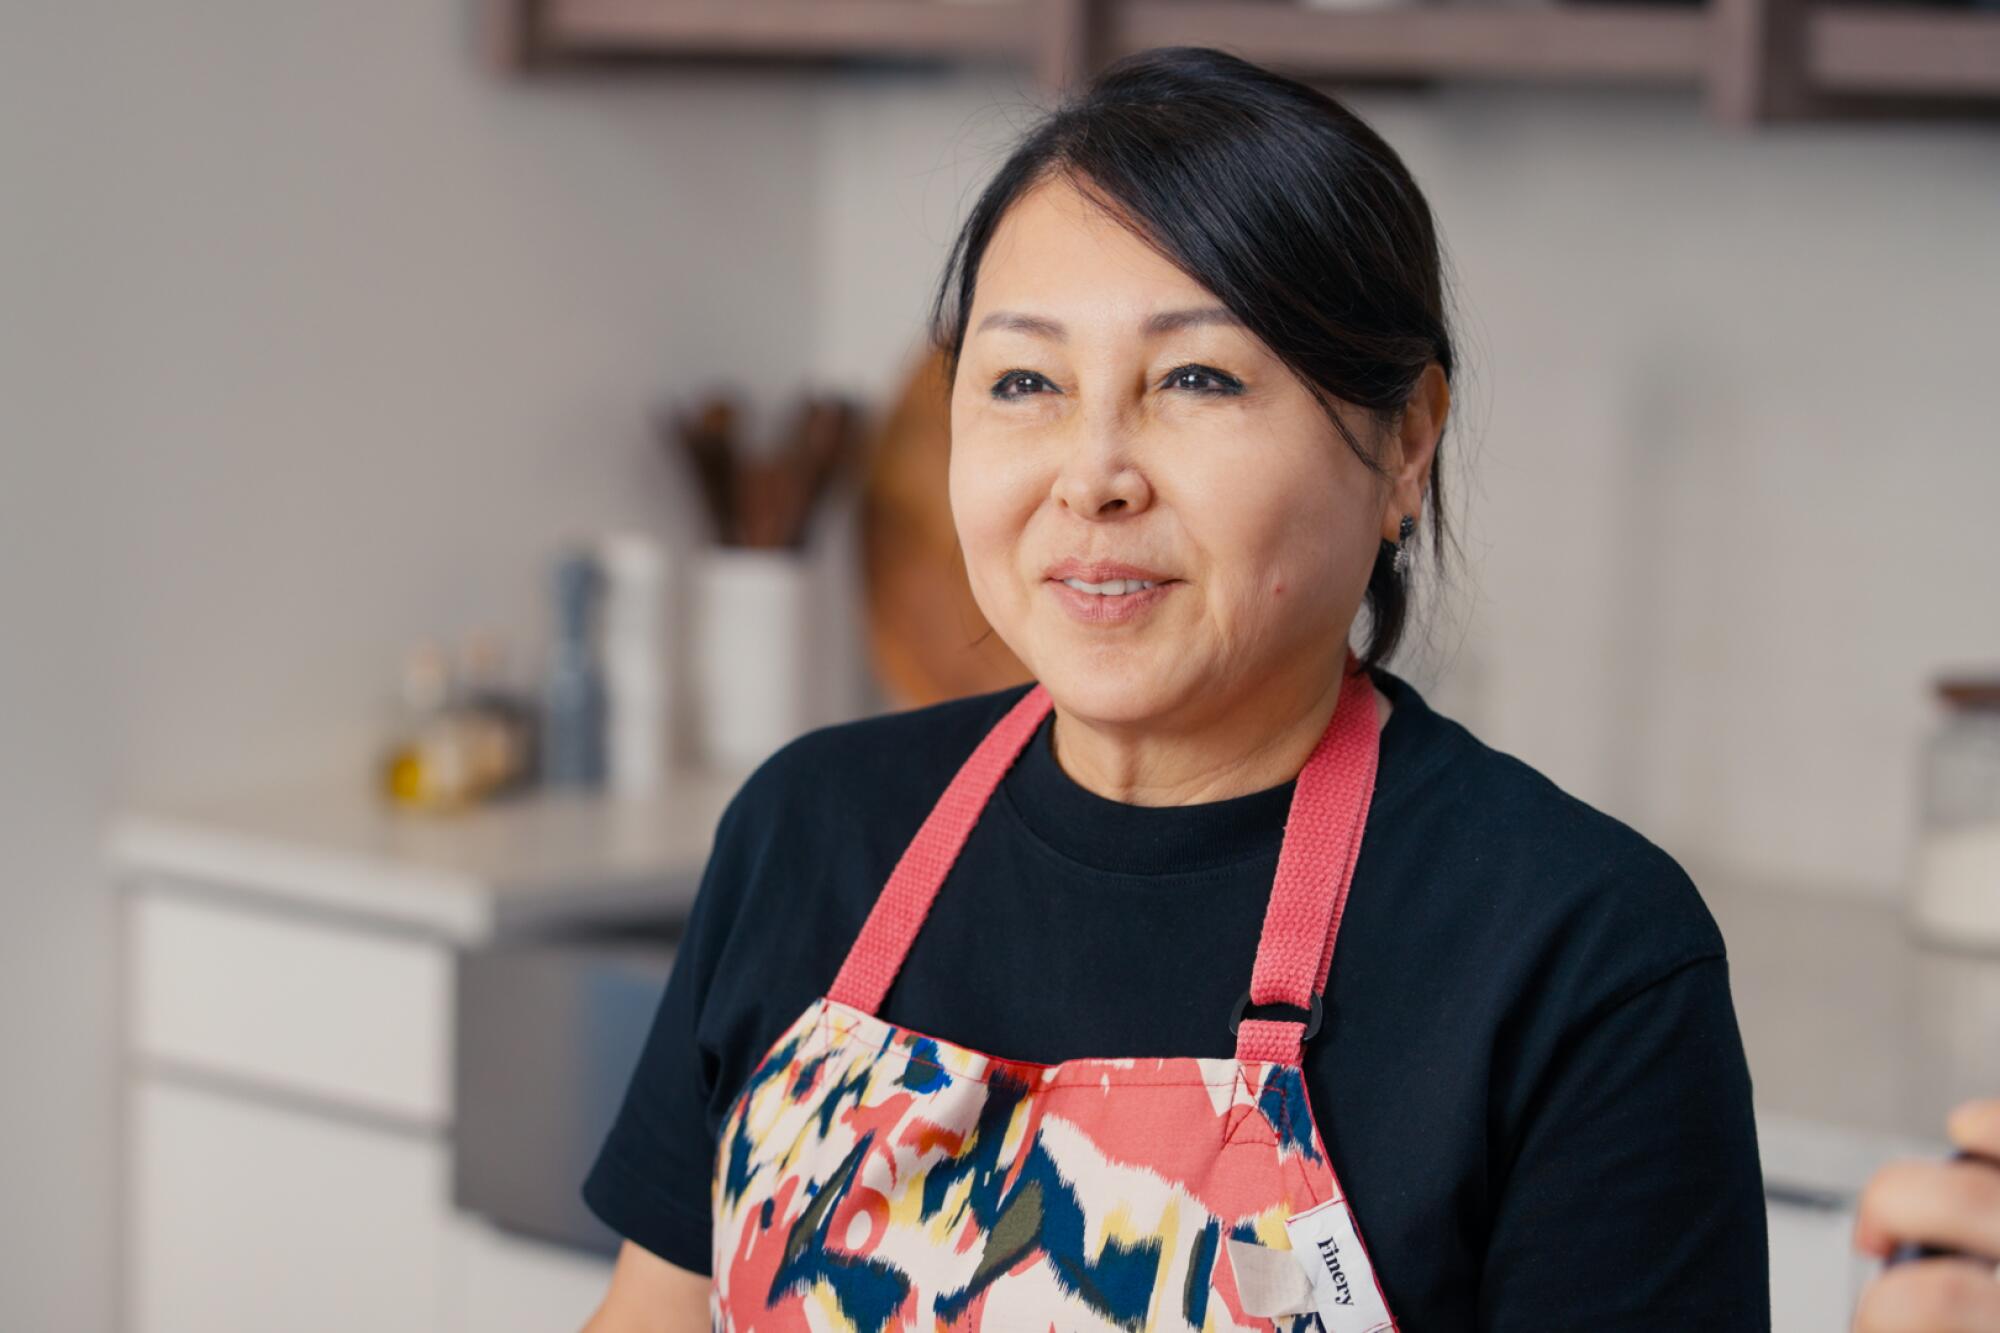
[[1402, 557]]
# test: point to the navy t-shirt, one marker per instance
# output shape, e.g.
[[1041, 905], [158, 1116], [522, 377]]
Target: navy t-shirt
[[1529, 1076]]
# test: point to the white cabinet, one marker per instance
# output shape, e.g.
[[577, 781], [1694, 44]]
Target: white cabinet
[[1816, 1275], [503, 1283], [357, 1017], [251, 1215], [290, 968], [288, 1134]]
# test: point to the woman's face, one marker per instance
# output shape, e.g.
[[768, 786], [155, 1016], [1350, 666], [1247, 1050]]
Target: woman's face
[[1107, 409]]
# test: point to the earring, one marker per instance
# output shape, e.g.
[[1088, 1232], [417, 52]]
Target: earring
[[1402, 556]]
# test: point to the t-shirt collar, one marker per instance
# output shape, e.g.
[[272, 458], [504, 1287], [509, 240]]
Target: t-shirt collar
[[1167, 839]]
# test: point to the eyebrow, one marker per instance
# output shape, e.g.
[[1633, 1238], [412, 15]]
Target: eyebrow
[[1166, 321]]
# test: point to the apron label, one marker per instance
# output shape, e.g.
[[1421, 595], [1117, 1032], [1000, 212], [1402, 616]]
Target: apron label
[[1326, 1244], [1270, 1283]]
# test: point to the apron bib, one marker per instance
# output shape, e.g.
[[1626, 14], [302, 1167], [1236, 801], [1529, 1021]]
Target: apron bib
[[869, 1177]]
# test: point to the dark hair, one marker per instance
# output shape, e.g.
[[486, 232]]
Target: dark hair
[[1275, 197]]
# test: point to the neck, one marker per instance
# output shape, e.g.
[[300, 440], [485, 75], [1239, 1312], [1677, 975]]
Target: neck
[[1234, 754]]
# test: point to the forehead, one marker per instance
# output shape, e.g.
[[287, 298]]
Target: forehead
[[1055, 248]]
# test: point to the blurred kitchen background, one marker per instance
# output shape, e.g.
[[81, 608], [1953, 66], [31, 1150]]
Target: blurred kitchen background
[[365, 608]]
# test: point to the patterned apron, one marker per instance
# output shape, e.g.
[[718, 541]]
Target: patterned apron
[[871, 1177]]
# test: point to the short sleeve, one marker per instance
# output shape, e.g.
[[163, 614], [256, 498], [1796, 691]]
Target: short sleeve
[[650, 1181], [1632, 1197]]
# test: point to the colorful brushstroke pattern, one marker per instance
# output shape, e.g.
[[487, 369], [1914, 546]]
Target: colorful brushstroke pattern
[[873, 1178]]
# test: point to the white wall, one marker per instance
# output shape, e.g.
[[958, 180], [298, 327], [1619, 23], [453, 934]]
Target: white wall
[[1739, 472], [314, 337]]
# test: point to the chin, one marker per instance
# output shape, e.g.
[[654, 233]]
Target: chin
[[1102, 691]]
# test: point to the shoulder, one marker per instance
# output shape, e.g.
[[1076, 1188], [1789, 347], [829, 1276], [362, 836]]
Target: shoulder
[[873, 777], [1570, 896], [810, 835]]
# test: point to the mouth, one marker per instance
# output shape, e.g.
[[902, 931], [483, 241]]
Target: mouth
[[1112, 587], [1109, 601], [1101, 571]]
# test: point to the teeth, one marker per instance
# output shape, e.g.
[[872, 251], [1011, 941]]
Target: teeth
[[1115, 588]]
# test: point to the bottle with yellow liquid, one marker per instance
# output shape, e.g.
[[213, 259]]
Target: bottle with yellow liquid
[[429, 764]]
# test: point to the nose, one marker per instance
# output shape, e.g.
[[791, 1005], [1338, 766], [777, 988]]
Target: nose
[[1099, 473]]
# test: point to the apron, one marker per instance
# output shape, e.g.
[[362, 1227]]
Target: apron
[[870, 1177]]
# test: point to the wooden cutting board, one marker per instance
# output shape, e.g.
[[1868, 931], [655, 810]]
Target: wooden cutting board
[[927, 638]]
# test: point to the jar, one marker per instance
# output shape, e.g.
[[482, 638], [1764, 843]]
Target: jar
[[1955, 892]]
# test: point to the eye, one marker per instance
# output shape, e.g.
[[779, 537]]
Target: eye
[[1001, 385], [1206, 380]]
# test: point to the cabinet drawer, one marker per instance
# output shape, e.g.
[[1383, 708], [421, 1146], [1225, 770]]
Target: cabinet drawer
[[248, 1218], [332, 1011], [506, 1283], [1816, 1275]]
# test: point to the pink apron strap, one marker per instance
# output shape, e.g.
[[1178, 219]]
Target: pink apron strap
[[905, 901], [1315, 865], [1315, 868]]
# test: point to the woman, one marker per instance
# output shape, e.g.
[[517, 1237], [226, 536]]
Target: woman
[[1023, 1010]]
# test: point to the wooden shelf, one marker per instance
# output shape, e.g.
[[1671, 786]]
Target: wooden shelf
[[1754, 60], [1902, 49], [1595, 42], [807, 29]]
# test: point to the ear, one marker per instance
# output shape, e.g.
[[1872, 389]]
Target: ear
[[1414, 447]]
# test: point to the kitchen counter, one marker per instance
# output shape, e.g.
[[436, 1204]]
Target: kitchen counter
[[463, 877], [297, 969], [394, 999], [1860, 1037]]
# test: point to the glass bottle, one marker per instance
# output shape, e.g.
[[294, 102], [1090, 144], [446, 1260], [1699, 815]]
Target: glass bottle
[[501, 719], [573, 689], [426, 763]]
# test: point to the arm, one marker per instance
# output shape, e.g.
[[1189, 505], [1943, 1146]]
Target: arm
[[1630, 1196], [650, 1181], [650, 1295]]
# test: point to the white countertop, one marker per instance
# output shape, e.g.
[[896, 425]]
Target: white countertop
[[1860, 1037], [462, 876]]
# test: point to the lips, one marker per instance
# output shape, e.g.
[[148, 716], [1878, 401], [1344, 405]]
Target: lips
[[1103, 571], [1105, 610]]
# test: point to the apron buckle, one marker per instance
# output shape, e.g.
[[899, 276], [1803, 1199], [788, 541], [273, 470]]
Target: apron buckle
[[1312, 1020]]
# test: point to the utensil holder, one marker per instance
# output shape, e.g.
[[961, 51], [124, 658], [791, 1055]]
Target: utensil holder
[[757, 637]]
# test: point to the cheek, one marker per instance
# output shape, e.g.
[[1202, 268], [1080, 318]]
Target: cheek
[[970, 483], [1276, 531], [990, 506], [1289, 561]]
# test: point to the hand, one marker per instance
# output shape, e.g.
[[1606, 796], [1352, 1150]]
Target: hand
[[1955, 1204]]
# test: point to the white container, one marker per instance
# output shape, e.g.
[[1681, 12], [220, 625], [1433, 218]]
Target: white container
[[1955, 890], [1956, 898], [753, 638], [636, 641]]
